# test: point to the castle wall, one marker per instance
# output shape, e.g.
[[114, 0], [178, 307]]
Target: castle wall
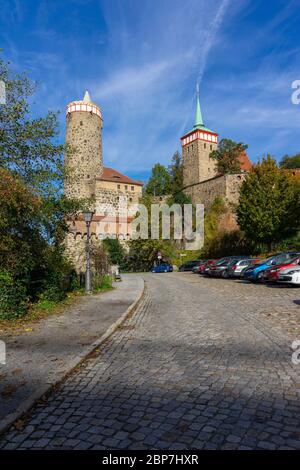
[[225, 186]]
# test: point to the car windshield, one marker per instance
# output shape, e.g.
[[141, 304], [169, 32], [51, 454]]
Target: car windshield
[[269, 260], [220, 261]]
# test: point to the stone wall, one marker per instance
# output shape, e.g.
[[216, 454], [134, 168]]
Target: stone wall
[[111, 202], [83, 162], [226, 187]]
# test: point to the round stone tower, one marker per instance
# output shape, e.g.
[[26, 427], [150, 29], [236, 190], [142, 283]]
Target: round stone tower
[[83, 159]]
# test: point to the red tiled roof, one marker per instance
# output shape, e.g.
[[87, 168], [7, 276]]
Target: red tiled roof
[[109, 174], [245, 161]]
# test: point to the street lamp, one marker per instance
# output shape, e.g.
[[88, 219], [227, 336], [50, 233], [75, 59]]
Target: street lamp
[[88, 216]]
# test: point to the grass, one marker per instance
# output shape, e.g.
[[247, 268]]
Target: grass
[[46, 308]]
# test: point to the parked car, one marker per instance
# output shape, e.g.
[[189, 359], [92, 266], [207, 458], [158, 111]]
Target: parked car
[[217, 269], [235, 268], [196, 269], [272, 274], [255, 273], [290, 276], [189, 265], [162, 268], [205, 267]]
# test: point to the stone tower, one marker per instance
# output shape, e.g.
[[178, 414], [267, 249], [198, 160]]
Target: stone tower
[[83, 162], [197, 145]]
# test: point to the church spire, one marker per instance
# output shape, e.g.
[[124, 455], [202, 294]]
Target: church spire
[[198, 116]]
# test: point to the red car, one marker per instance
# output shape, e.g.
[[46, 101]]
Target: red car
[[205, 266], [271, 274]]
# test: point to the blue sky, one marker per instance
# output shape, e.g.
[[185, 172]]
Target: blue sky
[[140, 60]]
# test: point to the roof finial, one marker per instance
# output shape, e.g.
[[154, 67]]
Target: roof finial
[[87, 97], [198, 116]]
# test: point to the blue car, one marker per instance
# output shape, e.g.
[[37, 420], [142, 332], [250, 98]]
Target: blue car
[[162, 268], [255, 272]]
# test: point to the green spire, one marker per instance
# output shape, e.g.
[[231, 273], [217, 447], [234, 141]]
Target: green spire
[[198, 116]]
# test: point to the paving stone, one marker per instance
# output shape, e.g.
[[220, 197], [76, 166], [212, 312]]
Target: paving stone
[[207, 365]]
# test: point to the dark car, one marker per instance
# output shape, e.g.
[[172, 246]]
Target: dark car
[[162, 268], [189, 265], [216, 269]]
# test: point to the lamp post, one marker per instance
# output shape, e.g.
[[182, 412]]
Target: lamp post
[[88, 216]]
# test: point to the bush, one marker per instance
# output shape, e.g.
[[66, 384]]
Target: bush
[[13, 297], [58, 279], [102, 282], [227, 244]]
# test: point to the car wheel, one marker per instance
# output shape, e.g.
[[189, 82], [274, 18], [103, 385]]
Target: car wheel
[[260, 277]]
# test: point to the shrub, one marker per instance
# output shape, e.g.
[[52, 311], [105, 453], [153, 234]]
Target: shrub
[[58, 278], [102, 282], [13, 297]]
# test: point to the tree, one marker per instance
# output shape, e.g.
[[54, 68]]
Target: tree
[[116, 252], [26, 144], [143, 253], [176, 173], [21, 243], [227, 156], [33, 211], [176, 177], [269, 205], [290, 162], [159, 183]]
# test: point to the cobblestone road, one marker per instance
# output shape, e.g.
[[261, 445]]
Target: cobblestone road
[[202, 364]]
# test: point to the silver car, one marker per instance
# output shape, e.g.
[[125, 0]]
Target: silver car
[[236, 267]]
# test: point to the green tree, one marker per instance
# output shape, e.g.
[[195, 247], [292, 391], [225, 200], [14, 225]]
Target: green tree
[[27, 144], [159, 183], [176, 176], [116, 252], [227, 156], [143, 253], [33, 212], [290, 162], [269, 205]]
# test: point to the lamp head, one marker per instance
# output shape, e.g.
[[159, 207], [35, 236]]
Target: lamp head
[[88, 216]]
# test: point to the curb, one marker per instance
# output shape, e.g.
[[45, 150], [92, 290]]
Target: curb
[[45, 389]]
